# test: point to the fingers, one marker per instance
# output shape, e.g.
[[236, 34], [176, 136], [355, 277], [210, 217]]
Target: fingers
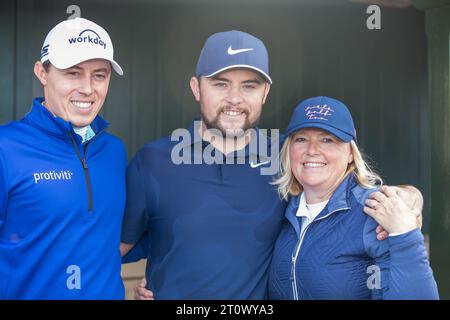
[[389, 191], [376, 200], [375, 208], [371, 212], [411, 196], [379, 200], [411, 190], [398, 190], [141, 292], [378, 196], [145, 294], [382, 235], [419, 221], [385, 192], [372, 203]]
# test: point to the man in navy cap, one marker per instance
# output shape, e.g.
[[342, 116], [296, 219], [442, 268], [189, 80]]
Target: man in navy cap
[[212, 225]]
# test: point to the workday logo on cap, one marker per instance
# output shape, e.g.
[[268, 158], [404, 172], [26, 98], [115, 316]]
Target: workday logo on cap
[[86, 36], [77, 40]]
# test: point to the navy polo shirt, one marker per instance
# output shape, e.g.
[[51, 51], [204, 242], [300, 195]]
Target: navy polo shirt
[[212, 227]]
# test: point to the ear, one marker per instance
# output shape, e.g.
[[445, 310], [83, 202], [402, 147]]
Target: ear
[[350, 156], [40, 73], [195, 87], [266, 92]]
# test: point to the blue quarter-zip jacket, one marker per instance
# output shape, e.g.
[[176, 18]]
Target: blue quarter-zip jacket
[[61, 207], [340, 257]]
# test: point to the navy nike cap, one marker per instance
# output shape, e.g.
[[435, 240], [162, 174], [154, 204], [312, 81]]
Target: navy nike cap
[[233, 49]]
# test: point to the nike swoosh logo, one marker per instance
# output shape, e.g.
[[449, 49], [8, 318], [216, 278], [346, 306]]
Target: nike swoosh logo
[[256, 165], [231, 51]]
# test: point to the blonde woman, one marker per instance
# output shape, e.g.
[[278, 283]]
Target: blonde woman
[[327, 248]]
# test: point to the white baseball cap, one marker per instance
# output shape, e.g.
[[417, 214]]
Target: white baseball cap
[[73, 41]]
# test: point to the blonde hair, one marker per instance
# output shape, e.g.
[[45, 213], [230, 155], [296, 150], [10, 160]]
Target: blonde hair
[[288, 185]]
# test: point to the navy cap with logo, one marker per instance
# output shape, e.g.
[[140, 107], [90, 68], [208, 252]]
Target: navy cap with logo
[[233, 49], [324, 113]]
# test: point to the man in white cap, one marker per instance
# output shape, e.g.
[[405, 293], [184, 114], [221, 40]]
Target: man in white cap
[[62, 177]]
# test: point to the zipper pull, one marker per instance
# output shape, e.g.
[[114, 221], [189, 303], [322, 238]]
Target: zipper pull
[[292, 269], [85, 166]]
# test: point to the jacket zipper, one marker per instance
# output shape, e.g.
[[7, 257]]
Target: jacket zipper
[[294, 261], [297, 251], [85, 170]]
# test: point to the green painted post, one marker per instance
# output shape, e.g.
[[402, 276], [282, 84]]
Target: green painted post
[[438, 36], [7, 59]]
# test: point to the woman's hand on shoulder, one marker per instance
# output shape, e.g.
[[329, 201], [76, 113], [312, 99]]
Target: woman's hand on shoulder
[[391, 211]]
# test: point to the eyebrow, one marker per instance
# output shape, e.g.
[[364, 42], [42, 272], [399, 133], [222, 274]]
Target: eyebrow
[[75, 67], [96, 70], [321, 133], [216, 78], [255, 80], [102, 70]]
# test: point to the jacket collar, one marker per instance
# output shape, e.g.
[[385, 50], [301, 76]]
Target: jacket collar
[[43, 119], [340, 200]]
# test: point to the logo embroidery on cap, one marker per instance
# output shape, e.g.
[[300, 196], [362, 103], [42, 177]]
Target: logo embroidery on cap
[[88, 38], [232, 52], [44, 51], [319, 112]]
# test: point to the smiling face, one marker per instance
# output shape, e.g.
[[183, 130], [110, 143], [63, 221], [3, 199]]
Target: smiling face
[[319, 161], [231, 101], [75, 94]]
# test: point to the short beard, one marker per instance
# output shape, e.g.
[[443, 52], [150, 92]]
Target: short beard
[[214, 124]]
